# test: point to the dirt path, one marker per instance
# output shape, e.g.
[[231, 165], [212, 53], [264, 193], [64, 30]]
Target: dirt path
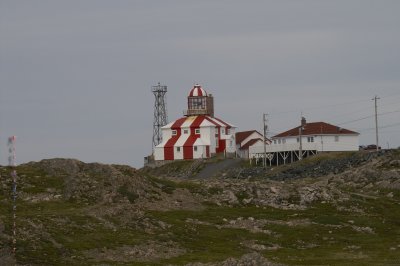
[[213, 169]]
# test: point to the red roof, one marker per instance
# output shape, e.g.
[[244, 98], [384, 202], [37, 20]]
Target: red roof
[[240, 136], [317, 128]]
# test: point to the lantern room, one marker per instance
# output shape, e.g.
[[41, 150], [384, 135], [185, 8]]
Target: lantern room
[[199, 102]]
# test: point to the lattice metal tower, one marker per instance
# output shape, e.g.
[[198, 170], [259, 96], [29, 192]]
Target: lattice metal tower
[[160, 112]]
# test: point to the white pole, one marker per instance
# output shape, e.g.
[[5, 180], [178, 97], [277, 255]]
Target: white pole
[[265, 140], [376, 122]]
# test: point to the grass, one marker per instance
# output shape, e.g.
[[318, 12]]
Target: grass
[[169, 186], [68, 225], [124, 190], [329, 238]]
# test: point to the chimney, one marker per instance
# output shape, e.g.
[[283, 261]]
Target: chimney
[[303, 121]]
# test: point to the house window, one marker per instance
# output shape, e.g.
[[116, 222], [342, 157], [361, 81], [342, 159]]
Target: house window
[[336, 138], [223, 131], [298, 140], [310, 139], [274, 141], [195, 148], [197, 131], [185, 131], [174, 132], [178, 149], [283, 141], [230, 143], [279, 141], [227, 131]]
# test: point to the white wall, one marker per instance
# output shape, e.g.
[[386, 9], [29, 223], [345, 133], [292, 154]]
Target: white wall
[[159, 154], [200, 153], [345, 143], [230, 145], [166, 133], [321, 143]]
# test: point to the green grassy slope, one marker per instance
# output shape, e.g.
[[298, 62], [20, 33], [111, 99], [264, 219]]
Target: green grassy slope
[[123, 218]]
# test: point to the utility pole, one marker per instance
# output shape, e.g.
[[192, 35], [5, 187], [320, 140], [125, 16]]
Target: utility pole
[[265, 121], [302, 124], [300, 143], [12, 164], [376, 98]]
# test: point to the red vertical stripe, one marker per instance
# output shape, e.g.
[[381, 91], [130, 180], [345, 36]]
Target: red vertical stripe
[[188, 146], [221, 143], [169, 146]]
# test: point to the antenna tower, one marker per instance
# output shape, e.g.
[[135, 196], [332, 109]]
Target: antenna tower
[[12, 164], [160, 112]]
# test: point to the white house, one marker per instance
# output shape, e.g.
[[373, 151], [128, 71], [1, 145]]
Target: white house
[[307, 139], [197, 135]]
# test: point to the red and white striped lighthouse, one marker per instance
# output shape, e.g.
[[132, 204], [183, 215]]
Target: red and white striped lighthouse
[[197, 135]]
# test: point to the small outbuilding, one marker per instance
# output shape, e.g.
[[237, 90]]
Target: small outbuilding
[[247, 139]]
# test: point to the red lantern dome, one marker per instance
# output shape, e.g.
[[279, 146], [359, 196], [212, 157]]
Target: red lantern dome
[[197, 91]]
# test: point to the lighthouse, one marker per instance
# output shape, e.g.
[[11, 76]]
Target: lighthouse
[[199, 134]]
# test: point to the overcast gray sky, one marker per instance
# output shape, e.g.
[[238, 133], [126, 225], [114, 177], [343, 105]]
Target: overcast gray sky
[[75, 76]]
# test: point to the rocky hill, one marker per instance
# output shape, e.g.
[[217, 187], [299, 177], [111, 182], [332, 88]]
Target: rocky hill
[[331, 209]]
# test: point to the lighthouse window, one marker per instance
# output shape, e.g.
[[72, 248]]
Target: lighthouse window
[[185, 131], [195, 148], [178, 149], [197, 131], [197, 103], [174, 132]]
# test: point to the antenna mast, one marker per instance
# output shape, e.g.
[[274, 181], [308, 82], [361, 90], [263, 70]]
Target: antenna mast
[[160, 112], [12, 164], [376, 98]]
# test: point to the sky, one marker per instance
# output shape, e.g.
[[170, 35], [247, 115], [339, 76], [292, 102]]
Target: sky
[[76, 76]]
